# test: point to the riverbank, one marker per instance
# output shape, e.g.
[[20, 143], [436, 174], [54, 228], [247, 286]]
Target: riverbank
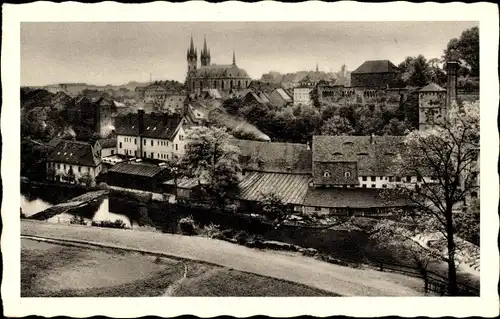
[[336, 279], [52, 270]]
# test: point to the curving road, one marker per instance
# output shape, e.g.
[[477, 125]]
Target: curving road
[[345, 281]]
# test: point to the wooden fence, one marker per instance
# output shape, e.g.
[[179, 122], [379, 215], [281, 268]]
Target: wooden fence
[[433, 282]]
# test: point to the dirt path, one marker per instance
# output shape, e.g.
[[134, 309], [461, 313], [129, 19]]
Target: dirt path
[[173, 287], [303, 270]]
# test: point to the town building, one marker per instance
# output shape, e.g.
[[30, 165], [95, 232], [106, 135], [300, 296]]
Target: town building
[[175, 104], [431, 104], [223, 77], [252, 97], [151, 136], [74, 162], [375, 73], [137, 175], [302, 95], [108, 146], [280, 98]]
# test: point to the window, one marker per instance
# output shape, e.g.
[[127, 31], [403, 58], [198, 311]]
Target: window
[[158, 143], [64, 166], [152, 155], [391, 178], [408, 179], [120, 144], [364, 178], [317, 209], [152, 143], [135, 141], [419, 179], [167, 156], [364, 185], [326, 174], [145, 154], [374, 178], [373, 186], [144, 141], [176, 148], [347, 174], [384, 186], [135, 153], [79, 169]]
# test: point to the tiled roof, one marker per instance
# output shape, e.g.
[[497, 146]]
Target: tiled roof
[[155, 125], [375, 66], [174, 102], [284, 95], [375, 156], [138, 169], [432, 87], [107, 142], [274, 157], [353, 198], [291, 188], [74, 152]]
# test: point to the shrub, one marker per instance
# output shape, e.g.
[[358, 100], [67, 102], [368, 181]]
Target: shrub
[[241, 237], [103, 186], [109, 224], [211, 231], [187, 226], [76, 220]]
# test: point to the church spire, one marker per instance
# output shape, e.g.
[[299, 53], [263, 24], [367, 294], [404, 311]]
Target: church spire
[[205, 44], [191, 47], [317, 70], [205, 53], [234, 58]]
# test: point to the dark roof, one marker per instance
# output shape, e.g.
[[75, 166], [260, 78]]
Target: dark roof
[[274, 157], [137, 169], [375, 156], [291, 188], [354, 198], [74, 152], [107, 142], [376, 66], [159, 126], [221, 71], [432, 87]]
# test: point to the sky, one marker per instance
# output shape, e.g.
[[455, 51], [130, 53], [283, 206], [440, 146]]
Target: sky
[[118, 52]]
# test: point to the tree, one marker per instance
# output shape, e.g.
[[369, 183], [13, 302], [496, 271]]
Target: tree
[[395, 127], [274, 207], [415, 71], [337, 125], [214, 161], [314, 95], [466, 50], [444, 160]]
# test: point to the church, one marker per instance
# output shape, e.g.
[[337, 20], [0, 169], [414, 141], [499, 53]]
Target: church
[[223, 77]]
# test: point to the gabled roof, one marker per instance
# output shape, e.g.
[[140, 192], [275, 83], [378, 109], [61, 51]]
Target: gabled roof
[[274, 157], [155, 125], [74, 152], [354, 198], [376, 66], [137, 169], [432, 87], [255, 96], [221, 71], [284, 95], [375, 155], [107, 142]]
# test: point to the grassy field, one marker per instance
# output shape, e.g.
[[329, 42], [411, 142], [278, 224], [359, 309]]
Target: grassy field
[[51, 270]]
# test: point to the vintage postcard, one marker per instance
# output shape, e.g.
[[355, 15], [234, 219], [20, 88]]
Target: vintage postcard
[[278, 158]]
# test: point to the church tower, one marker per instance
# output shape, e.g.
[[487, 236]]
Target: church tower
[[192, 58], [205, 54]]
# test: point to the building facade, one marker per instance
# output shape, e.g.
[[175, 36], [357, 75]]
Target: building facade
[[375, 73], [74, 162], [223, 77], [431, 105]]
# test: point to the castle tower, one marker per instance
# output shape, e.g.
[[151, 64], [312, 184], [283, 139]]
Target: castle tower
[[192, 58], [205, 54]]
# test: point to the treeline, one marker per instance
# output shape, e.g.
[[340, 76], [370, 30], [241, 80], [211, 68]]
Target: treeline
[[297, 124]]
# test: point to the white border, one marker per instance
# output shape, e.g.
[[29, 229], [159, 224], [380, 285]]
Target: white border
[[487, 14]]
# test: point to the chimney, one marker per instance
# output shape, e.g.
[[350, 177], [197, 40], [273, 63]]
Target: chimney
[[451, 86], [140, 120]]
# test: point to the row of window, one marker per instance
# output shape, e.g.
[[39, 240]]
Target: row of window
[[145, 154], [392, 178], [63, 166], [160, 143]]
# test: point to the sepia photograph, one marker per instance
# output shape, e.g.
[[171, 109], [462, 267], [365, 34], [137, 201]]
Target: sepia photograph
[[249, 159]]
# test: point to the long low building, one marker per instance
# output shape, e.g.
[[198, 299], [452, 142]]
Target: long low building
[[137, 175]]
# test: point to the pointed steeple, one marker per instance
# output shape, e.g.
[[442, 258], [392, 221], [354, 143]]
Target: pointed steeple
[[205, 53], [205, 44], [191, 47], [317, 70], [234, 58]]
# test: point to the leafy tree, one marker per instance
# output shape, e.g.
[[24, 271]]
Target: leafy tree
[[314, 95], [395, 127], [274, 207], [415, 71], [214, 161], [337, 125], [466, 50], [232, 106], [448, 154]]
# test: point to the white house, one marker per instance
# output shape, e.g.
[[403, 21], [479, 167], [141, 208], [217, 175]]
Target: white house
[[302, 95], [74, 162], [151, 136]]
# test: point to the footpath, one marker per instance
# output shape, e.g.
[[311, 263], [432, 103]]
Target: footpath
[[345, 281]]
